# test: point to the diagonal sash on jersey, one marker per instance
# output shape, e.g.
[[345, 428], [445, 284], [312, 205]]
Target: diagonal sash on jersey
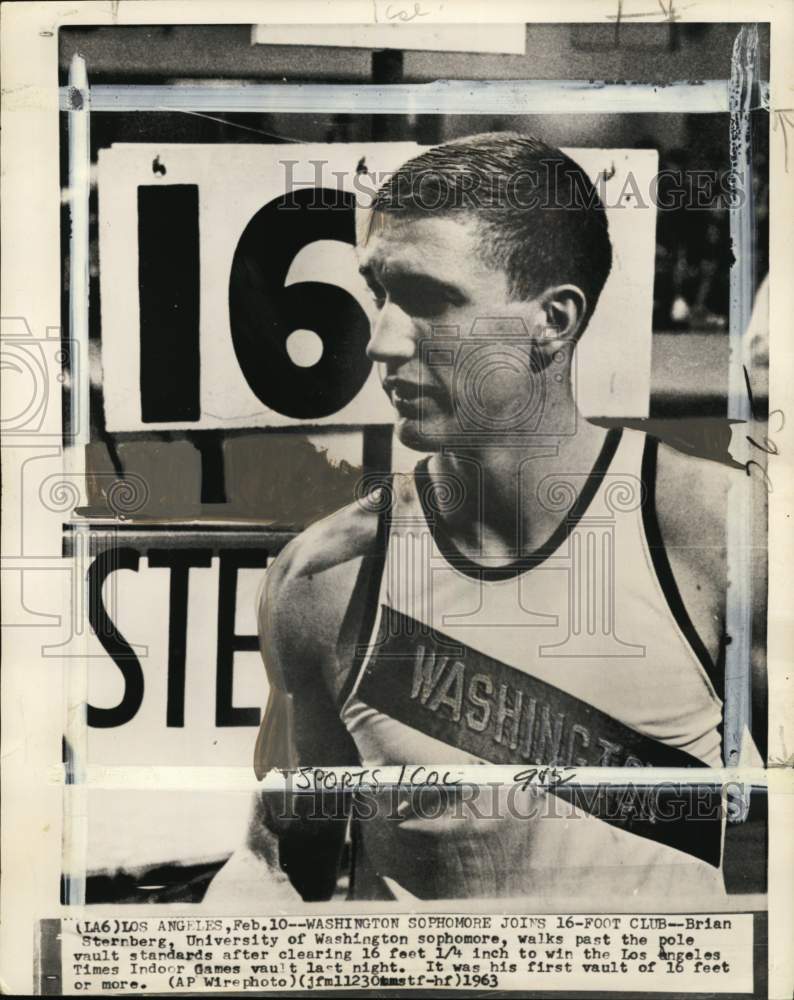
[[491, 710]]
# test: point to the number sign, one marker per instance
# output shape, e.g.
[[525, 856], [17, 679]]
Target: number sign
[[230, 294]]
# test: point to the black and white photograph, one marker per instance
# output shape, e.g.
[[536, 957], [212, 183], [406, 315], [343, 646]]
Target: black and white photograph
[[400, 502]]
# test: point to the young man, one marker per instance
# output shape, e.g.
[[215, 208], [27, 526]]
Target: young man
[[541, 590]]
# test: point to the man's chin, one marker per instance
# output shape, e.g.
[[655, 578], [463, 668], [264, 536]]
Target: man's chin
[[413, 435]]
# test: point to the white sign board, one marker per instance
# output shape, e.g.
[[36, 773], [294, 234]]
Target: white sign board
[[231, 298], [180, 680], [212, 257], [613, 358]]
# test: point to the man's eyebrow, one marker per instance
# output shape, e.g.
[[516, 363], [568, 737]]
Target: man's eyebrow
[[428, 281]]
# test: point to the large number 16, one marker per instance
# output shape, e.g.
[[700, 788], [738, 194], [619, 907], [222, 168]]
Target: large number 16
[[263, 312]]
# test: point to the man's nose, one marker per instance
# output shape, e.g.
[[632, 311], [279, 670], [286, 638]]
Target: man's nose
[[393, 336]]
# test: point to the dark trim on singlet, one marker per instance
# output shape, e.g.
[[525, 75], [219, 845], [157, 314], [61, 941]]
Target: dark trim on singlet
[[364, 883], [364, 598], [661, 562], [529, 561]]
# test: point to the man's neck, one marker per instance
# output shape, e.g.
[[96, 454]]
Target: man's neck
[[505, 511]]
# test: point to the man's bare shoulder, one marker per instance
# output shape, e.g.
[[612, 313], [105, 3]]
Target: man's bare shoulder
[[692, 491], [692, 496], [308, 589], [692, 509], [331, 544]]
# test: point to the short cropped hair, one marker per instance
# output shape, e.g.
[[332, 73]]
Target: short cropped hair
[[540, 217]]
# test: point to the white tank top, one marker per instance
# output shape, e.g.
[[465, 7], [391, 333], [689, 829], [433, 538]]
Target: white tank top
[[572, 655]]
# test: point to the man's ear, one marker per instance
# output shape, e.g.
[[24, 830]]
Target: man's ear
[[564, 309]]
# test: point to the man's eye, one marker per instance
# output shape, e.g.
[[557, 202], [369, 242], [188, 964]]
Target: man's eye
[[423, 298], [421, 304]]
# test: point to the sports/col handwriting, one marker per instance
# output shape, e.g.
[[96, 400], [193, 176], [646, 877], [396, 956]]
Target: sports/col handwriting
[[313, 779]]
